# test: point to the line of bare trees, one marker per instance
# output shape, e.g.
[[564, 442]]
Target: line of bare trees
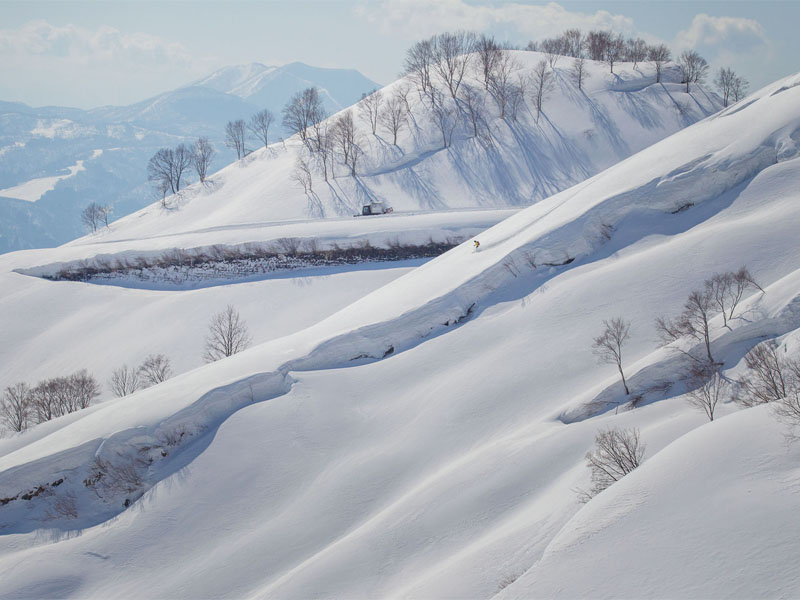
[[770, 377], [236, 132], [22, 406], [720, 295], [168, 167], [438, 67]]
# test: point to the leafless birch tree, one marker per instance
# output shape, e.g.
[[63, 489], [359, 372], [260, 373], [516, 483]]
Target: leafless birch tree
[[201, 158], [541, 83], [616, 453], [608, 345], [16, 407], [227, 335], [235, 137], [394, 115], [659, 55], [370, 107], [259, 125]]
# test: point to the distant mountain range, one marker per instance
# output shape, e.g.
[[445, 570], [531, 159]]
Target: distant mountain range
[[56, 160]]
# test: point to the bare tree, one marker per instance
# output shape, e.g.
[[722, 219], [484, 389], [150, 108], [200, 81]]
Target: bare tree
[[707, 387], [161, 170], [155, 369], [608, 345], [105, 211], [573, 43], [579, 72], [227, 335], [727, 290], [418, 65], [541, 82], [167, 167], [301, 174], [730, 85], [692, 322], [303, 110], [259, 125], [451, 53], [473, 103], [346, 138], [596, 44], [553, 49], [739, 89], [488, 53], [201, 157], [444, 117], [16, 407], [125, 380], [693, 67], [615, 50], [394, 116], [616, 453], [370, 107], [183, 160], [91, 216], [659, 55], [503, 82], [84, 388], [324, 147], [769, 376], [636, 50], [235, 137]]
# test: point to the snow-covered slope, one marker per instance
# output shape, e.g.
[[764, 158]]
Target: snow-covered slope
[[38, 145], [511, 163], [415, 443]]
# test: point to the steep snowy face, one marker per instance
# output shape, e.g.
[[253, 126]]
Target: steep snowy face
[[426, 440], [473, 151]]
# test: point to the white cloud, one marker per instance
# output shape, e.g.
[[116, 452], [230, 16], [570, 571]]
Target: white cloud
[[421, 18], [102, 46], [723, 34]]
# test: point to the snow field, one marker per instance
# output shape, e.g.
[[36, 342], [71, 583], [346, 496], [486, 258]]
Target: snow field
[[442, 468]]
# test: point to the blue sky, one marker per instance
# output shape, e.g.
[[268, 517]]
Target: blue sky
[[88, 54]]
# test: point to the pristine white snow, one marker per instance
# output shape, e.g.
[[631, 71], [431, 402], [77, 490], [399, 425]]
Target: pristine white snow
[[426, 439]]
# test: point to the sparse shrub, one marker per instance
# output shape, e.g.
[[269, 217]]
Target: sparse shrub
[[110, 479], [63, 507]]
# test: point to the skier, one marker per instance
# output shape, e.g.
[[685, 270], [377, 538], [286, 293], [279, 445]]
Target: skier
[[477, 245]]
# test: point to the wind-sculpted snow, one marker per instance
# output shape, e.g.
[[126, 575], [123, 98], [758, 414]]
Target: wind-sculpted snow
[[410, 444]]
